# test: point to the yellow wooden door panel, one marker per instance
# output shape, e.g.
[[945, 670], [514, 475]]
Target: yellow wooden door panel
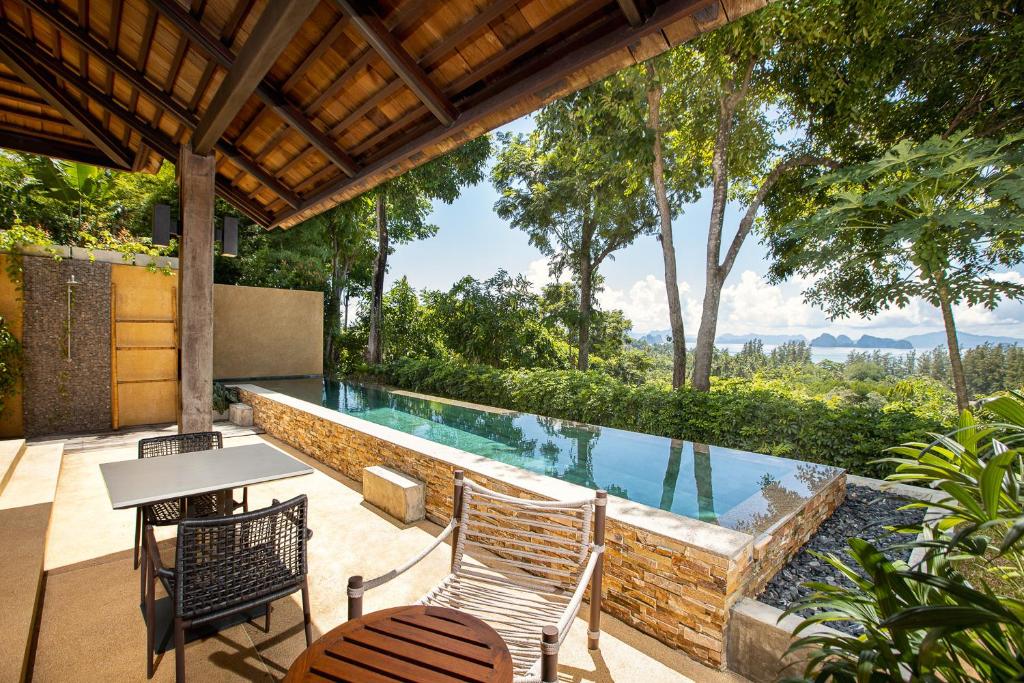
[[148, 403], [145, 368], [145, 334], [141, 294], [136, 365]]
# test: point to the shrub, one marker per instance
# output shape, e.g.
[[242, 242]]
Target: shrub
[[929, 622], [10, 363], [751, 414]]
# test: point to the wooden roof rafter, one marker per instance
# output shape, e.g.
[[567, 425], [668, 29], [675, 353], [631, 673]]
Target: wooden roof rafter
[[392, 52], [360, 93], [150, 135], [69, 107], [271, 96]]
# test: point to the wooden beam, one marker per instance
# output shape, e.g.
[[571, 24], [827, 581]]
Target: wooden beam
[[196, 175], [25, 141], [276, 27], [541, 84], [149, 133], [270, 95], [631, 11], [392, 52], [69, 107]]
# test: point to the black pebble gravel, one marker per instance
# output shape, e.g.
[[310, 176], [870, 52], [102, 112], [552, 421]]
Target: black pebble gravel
[[865, 513]]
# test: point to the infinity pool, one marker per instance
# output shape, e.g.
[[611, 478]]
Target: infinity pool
[[731, 488]]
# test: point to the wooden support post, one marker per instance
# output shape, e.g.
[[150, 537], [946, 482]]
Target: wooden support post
[[594, 630], [457, 503], [549, 654], [355, 597], [196, 176]]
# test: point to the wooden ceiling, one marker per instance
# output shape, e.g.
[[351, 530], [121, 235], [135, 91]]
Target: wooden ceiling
[[356, 91]]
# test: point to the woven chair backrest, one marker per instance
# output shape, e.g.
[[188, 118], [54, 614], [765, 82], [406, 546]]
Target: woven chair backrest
[[180, 443], [536, 544], [225, 561]]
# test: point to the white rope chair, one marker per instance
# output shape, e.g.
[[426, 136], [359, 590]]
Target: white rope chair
[[540, 557]]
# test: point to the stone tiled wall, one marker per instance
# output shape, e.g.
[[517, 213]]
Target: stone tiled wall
[[676, 592], [775, 547], [61, 394]]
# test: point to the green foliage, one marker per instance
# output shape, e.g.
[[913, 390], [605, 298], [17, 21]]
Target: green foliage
[[757, 415], [223, 397], [497, 322], [10, 363], [929, 220], [927, 622]]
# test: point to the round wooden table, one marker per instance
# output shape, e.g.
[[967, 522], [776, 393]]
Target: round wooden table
[[414, 643]]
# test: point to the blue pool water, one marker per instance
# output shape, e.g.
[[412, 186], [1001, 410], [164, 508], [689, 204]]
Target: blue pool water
[[731, 488]]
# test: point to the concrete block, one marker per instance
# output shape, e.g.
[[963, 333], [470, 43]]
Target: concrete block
[[400, 496], [240, 414]]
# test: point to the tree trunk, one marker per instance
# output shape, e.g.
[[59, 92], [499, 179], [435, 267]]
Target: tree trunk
[[346, 268], [668, 251], [955, 363], [703, 353], [586, 284], [714, 277], [374, 346], [333, 310]]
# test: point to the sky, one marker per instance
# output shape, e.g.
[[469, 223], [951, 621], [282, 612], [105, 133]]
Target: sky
[[473, 240]]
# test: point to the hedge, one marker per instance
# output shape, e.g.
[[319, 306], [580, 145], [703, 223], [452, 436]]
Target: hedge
[[738, 413]]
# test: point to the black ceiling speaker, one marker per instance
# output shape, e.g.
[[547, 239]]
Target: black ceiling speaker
[[230, 238], [161, 224]]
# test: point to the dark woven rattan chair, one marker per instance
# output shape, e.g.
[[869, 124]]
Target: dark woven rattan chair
[[224, 566], [173, 511]]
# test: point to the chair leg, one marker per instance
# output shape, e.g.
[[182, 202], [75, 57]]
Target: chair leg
[[138, 537], [305, 613], [266, 625], [179, 650], [150, 599], [549, 655], [142, 574]]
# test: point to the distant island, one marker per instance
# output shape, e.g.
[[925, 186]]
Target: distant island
[[928, 340], [866, 341]]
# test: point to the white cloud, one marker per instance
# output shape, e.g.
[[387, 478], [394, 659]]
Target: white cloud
[[538, 274], [753, 304], [645, 304]]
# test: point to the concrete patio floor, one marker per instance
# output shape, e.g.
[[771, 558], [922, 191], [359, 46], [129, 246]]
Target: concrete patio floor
[[91, 627]]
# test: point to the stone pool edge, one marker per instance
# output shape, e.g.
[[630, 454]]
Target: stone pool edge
[[672, 577]]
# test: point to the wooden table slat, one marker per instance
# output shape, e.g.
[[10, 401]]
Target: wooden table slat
[[413, 644], [420, 655], [436, 625], [471, 651], [385, 663], [330, 669]]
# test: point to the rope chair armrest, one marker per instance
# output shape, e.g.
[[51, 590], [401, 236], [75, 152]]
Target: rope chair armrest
[[577, 597], [398, 571]]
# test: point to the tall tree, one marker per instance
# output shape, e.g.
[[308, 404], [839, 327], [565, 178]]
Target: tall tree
[[933, 220], [401, 208], [734, 117], [655, 94], [347, 230], [580, 198]]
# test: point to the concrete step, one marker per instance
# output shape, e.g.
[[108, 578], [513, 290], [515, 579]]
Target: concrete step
[[25, 506], [10, 453]]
